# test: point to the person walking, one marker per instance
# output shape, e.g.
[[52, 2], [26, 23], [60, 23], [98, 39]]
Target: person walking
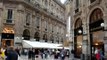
[[42, 53], [2, 50], [33, 54], [98, 55], [18, 51], [101, 55], [1, 58], [46, 53], [62, 54], [11, 53], [30, 54]]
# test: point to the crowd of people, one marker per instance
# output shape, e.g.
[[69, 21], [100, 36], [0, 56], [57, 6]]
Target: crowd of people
[[99, 54], [46, 53], [11, 53]]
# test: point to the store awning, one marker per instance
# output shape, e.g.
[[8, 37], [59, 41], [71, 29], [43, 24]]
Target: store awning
[[35, 44]]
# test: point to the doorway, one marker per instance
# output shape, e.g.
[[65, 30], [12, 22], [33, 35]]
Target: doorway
[[7, 36], [6, 43], [99, 46]]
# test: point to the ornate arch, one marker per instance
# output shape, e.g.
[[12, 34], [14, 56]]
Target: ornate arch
[[96, 15], [95, 18], [26, 34], [78, 27], [95, 28], [78, 23], [78, 37], [90, 12]]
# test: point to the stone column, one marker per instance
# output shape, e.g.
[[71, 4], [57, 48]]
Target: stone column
[[105, 35], [84, 55]]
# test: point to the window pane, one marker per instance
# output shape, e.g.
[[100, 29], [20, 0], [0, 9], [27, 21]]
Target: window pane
[[92, 1], [9, 15], [28, 19], [77, 3]]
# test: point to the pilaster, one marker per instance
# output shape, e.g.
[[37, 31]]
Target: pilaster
[[85, 44], [105, 35]]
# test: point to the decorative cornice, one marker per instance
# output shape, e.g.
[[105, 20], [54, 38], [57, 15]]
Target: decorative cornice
[[40, 10], [97, 2]]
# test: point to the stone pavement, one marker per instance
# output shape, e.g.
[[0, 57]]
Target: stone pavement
[[49, 58]]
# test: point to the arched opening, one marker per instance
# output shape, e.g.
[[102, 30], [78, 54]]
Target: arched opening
[[52, 38], [78, 38], [7, 37], [36, 36], [45, 37], [26, 34], [96, 31]]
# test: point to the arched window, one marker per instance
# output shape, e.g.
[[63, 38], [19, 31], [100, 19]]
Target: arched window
[[37, 21], [36, 36], [28, 19], [96, 15], [78, 26], [96, 18], [78, 37], [52, 38], [45, 37], [96, 30], [26, 34], [78, 23]]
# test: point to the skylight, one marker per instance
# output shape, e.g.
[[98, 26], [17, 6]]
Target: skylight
[[63, 1]]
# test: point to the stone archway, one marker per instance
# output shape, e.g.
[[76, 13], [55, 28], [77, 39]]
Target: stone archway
[[78, 38], [26, 34], [96, 30]]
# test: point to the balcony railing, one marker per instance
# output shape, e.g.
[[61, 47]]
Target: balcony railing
[[9, 21]]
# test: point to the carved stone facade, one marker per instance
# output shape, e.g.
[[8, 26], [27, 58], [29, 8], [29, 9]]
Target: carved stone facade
[[39, 20], [89, 16]]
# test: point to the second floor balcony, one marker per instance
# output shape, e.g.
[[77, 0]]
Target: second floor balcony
[[9, 21]]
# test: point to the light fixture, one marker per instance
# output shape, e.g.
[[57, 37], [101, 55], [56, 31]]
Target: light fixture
[[79, 46], [96, 43], [67, 35], [80, 31], [102, 24]]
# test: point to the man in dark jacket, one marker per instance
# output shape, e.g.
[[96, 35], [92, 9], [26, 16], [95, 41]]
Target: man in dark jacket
[[62, 54], [11, 54]]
